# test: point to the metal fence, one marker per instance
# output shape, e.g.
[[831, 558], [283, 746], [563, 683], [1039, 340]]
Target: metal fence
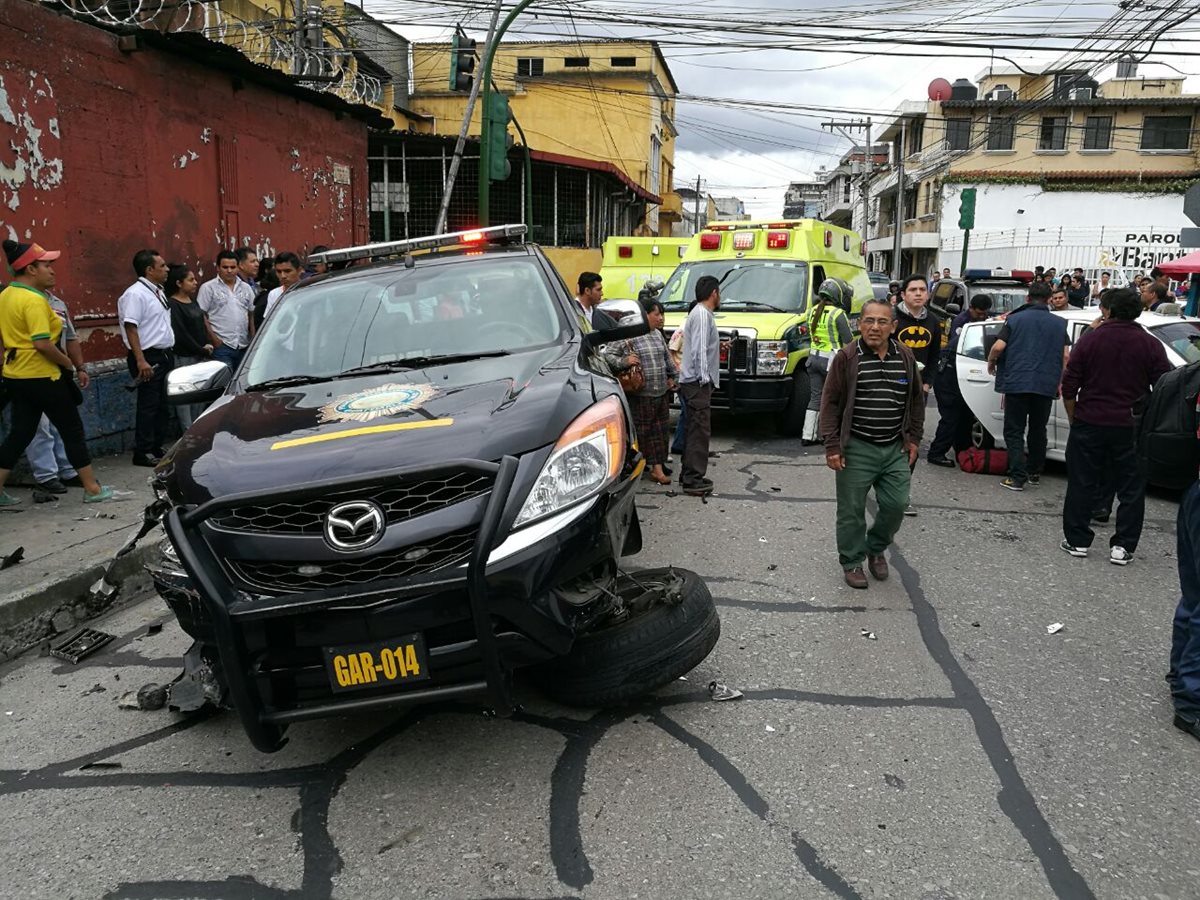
[[570, 207]]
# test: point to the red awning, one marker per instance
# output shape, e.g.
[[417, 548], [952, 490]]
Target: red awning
[[1185, 265], [596, 166]]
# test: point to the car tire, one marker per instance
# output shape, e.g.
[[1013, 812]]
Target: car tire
[[791, 423], [619, 662], [981, 438]]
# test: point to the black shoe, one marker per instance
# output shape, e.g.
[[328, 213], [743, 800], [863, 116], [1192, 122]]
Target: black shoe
[[148, 462], [668, 471], [51, 486], [1188, 725], [73, 481], [698, 490], [940, 461]]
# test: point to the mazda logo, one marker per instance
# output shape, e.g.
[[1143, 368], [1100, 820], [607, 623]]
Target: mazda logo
[[354, 526]]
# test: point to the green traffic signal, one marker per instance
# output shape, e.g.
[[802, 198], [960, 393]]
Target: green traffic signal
[[462, 62], [966, 209], [498, 114]]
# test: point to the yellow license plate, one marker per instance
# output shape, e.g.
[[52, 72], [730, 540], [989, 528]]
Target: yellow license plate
[[398, 661]]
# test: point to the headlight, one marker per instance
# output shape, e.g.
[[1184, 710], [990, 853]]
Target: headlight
[[772, 357], [586, 458]]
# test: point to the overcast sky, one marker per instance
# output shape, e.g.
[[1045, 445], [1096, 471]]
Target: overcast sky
[[754, 154]]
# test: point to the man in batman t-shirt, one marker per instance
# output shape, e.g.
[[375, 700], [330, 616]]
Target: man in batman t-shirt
[[918, 329]]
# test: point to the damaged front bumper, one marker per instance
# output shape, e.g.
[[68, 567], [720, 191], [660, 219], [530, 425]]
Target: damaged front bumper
[[511, 603]]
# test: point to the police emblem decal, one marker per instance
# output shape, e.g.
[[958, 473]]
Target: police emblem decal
[[385, 400]]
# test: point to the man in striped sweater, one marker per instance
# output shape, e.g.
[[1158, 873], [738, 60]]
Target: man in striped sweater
[[872, 418]]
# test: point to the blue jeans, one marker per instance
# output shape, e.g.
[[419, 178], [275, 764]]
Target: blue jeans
[[1185, 635], [678, 441], [228, 355], [46, 454]]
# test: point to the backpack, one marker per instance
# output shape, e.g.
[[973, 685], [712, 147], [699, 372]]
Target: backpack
[[985, 462], [1166, 430]]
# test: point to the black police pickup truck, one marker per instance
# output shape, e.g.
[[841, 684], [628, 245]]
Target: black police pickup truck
[[420, 479]]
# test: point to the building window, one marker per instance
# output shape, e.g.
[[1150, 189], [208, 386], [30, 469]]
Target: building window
[[623, 62], [1000, 133], [958, 134], [577, 62], [1167, 133], [530, 67], [916, 136], [1053, 135], [846, 190], [1097, 133], [910, 204]]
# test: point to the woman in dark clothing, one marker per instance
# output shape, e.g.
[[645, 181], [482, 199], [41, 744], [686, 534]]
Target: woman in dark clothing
[[267, 282], [651, 405], [191, 333]]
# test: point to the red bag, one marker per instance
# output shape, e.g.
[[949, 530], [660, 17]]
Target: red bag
[[985, 462]]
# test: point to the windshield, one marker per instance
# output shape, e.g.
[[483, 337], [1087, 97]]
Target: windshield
[[470, 308], [1005, 298], [1182, 337], [745, 284]]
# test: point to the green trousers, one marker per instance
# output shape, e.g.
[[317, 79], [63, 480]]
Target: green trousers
[[885, 468]]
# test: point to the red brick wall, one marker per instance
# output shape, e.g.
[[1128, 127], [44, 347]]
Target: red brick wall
[[118, 151]]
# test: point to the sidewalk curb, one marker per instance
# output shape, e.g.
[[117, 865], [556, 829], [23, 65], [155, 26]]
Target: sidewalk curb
[[58, 605]]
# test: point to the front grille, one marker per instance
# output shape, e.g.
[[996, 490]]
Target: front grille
[[285, 578], [738, 355], [401, 501]]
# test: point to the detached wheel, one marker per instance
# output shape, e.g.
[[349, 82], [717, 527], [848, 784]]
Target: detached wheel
[[791, 422], [981, 438], [652, 648]]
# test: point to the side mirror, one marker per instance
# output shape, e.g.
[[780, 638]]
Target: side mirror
[[198, 383], [953, 309], [630, 319]]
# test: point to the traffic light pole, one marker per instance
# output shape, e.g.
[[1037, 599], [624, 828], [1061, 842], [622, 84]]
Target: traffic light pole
[[966, 243], [460, 145], [485, 79]]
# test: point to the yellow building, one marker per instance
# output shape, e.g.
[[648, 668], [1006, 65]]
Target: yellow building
[[1043, 133], [607, 106]]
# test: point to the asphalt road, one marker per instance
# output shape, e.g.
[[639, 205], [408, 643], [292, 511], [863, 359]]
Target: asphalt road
[[963, 753]]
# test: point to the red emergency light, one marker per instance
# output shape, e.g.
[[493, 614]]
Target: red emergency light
[[782, 225], [710, 241], [777, 240], [1023, 275], [472, 237], [625, 252], [720, 227]]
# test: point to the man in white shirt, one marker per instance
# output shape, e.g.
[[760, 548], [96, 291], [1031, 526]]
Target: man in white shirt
[[287, 270], [228, 304], [145, 320]]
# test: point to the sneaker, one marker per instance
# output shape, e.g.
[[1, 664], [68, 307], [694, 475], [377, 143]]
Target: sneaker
[[1034, 480], [52, 486], [910, 510], [1119, 556], [106, 493], [1074, 551], [7, 499], [1012, 485]]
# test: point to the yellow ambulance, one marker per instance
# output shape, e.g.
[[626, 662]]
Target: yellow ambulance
[[629, 262], [769, 274]]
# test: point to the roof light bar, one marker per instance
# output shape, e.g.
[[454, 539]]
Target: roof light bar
[[395, 248]]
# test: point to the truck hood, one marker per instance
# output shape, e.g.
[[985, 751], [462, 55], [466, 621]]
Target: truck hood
[[769, 326], [482, 409]]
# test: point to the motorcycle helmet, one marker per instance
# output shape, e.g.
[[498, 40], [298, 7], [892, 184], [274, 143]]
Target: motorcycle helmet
[[837, 292]]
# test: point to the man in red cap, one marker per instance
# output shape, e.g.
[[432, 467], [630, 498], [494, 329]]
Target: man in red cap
[[38, 376]]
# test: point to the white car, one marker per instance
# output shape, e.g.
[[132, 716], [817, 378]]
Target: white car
[[1180, 336]]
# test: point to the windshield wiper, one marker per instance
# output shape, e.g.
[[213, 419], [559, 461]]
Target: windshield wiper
[[757, 303], [416, 362], [288, 381]]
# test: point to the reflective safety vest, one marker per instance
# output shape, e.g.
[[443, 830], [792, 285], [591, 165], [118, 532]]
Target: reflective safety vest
[[824, 333]]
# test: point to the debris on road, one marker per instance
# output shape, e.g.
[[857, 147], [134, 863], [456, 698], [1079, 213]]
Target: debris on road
[[94, 689], [96, 515], [85, 642], [869, 635], [150, 696], [974, 624], [1055, 628], [154, 628], [772, 567], [762, 540], [197, 686], [99, 765], [770, 729], [13, 558], [719, 691], [776, 489]]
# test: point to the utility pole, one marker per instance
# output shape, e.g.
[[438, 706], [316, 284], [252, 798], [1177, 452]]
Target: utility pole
[[868, 169], [696, 219], [898, 238], [460, 145]]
